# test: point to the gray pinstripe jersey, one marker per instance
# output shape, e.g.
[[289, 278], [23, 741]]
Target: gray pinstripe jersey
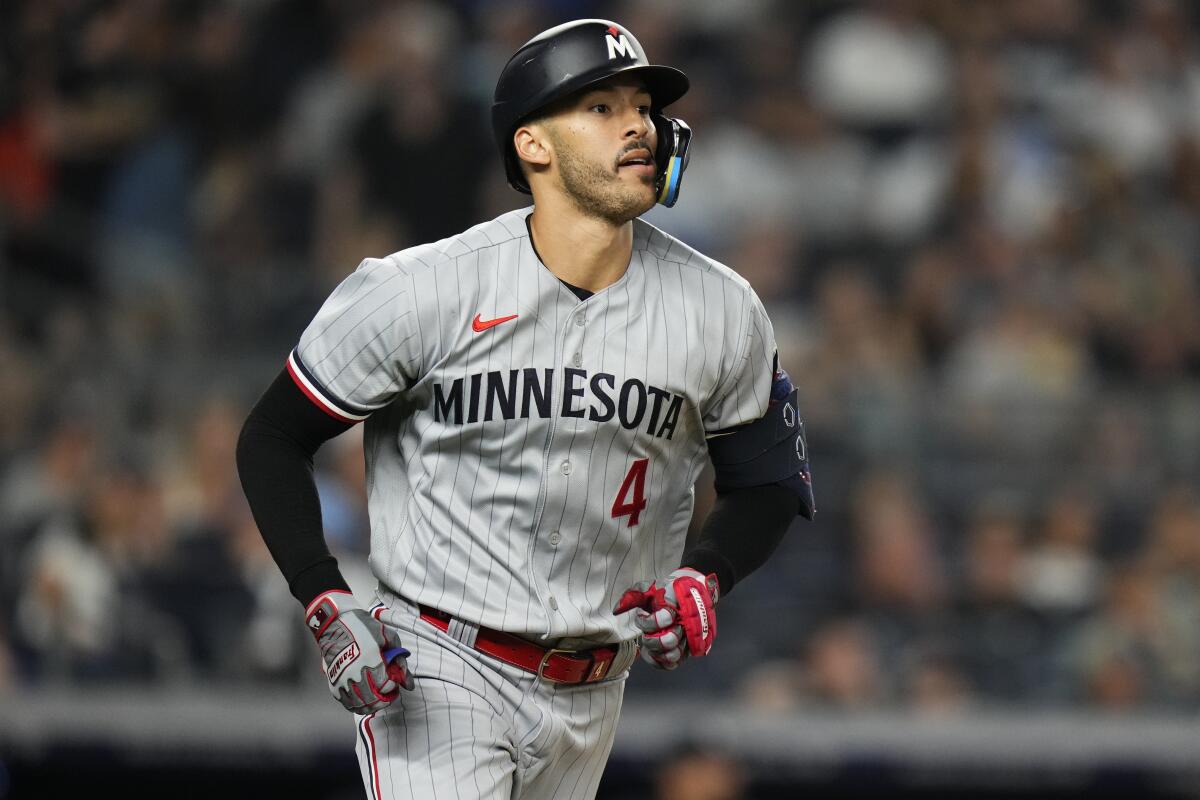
[[530, 455]]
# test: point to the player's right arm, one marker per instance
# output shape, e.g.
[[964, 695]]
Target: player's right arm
[[275, 463], [346, 365]]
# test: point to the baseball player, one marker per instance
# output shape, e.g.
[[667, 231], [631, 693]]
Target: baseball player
[[540, 394]]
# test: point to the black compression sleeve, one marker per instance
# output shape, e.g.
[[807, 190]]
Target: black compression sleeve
[[275, 463], [743, 529]]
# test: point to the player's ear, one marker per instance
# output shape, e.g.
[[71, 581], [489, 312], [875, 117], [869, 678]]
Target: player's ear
[[533, 146]]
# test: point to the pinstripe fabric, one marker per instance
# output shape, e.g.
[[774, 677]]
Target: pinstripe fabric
[[496, 457], [528, 456], [475, 727]]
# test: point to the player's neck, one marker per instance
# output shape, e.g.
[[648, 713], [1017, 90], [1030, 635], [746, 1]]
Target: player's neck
[[584, 251]]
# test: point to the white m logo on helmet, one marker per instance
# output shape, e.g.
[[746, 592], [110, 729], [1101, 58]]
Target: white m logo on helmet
[[618, 45]]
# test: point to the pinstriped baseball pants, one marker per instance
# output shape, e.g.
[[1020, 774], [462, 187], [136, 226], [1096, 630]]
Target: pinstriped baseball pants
[[475, 727]]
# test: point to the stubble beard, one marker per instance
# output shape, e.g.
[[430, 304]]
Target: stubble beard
[[599, 191]]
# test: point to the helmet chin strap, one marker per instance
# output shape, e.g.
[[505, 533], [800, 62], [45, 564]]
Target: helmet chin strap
[[674, 140]]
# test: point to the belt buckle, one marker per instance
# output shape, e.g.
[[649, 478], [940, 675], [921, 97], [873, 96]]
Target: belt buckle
[[546, 660]]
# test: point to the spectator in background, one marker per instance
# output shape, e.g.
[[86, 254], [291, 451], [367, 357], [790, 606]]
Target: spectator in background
[[1017, 382], [880, 66], [882, 72], [200, 484], [1117, 657], [899, 582], [860, 372], [1119, 434], [207, 557], [19, 391], [936, 685], [48, 479], [418, 147], [934, 301], [83, 610], [1173, 556], [144, 232], [698, 773], [40, 490], [329, 106], [838, 667], [1062, 577], [268, 643], [844, 668], [999, 638]]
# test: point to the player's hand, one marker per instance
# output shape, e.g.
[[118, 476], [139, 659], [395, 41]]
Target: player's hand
[[676, 615], [363, 661]]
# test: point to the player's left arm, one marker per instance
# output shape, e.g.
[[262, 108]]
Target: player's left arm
[[763, 481], [754, 508]]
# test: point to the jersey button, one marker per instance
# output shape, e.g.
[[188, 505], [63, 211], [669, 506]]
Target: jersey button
[[577, 361], [553, 603], [579, 320], [566, 468], [555, 538]]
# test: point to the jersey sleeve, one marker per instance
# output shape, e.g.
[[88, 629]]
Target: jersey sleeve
[[746, 390], [362, 348]]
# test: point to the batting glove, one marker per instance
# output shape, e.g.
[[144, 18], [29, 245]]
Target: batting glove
[[362, 659], [676, 616]]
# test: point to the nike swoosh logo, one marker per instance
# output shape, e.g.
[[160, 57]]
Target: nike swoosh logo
[[480, 325]]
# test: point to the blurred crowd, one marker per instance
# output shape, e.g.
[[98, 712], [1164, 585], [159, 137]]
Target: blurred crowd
[[974, 224]]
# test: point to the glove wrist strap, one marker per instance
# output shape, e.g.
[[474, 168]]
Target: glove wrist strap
[[710, 580], [325, 609]]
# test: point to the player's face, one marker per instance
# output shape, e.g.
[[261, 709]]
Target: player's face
[[604, 144]]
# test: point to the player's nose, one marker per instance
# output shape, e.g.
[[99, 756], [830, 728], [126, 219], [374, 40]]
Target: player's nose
[[637, 123]]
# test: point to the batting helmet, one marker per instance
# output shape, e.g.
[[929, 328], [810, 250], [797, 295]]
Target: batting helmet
[[565, 59]]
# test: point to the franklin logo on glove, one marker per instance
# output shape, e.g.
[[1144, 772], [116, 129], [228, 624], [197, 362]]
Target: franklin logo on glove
[[342, 661], [702, 610]]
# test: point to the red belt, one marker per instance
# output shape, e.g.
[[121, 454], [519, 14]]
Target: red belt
[[553, 664]]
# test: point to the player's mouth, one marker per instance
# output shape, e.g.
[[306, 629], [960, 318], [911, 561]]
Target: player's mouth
[[640, 162]]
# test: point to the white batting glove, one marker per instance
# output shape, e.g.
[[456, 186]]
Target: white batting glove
[[362, 659], [676, 615]]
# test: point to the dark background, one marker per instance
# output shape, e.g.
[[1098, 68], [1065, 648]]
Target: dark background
[[974, 225]]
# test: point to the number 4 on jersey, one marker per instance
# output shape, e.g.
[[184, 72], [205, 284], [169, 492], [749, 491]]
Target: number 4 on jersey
[[635, 480]]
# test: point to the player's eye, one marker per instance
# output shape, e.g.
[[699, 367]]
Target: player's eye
[[600, 108], [644, 110]]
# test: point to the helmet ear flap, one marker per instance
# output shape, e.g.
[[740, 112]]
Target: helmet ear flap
[[671, 156]]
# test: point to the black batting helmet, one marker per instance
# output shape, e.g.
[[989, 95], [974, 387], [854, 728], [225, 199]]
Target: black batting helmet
[[565, 59]]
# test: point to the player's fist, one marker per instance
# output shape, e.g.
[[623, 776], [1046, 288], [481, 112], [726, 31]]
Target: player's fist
[[664, 643], [676, 616], [363, 661]]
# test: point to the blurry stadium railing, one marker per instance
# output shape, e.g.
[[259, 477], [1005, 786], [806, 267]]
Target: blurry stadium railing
[[226, 727]]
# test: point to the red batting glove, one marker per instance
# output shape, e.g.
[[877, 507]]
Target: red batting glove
[[676, 616]]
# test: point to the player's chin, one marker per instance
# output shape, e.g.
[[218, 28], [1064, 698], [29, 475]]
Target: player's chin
[[650, 197], [642, 190], [635, 206]]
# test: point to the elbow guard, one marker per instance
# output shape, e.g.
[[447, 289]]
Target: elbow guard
[[772, 449]]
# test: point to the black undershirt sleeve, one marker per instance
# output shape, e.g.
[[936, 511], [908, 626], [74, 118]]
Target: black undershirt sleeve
[[275, 463], [742, 530]]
